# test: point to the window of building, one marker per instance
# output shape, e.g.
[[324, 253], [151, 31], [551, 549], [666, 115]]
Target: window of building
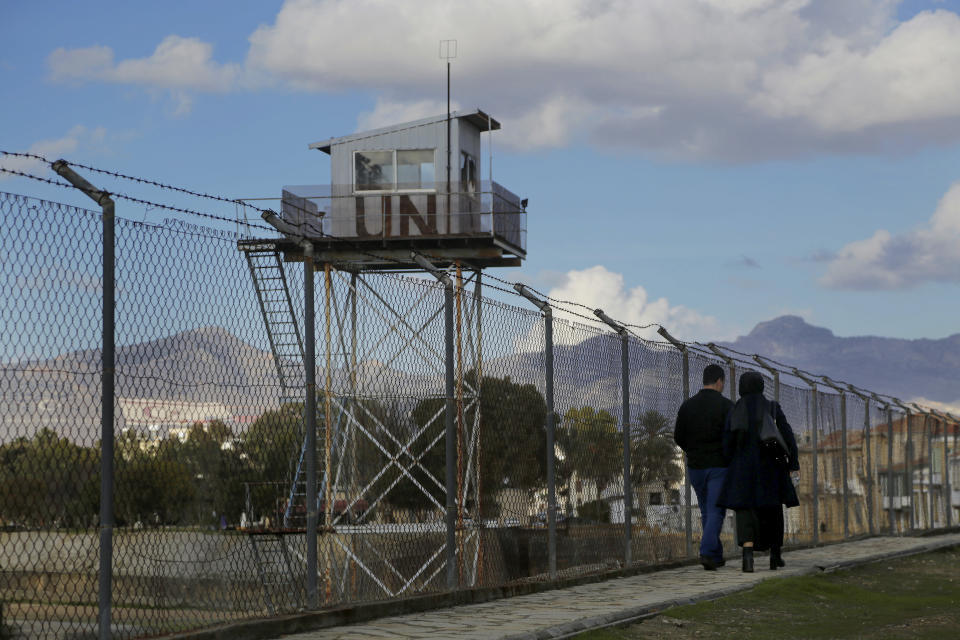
[[656, 498], [374, 171], [674, 496], [394, 170], [415, 169]]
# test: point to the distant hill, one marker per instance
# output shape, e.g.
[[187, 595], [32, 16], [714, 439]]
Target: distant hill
[[211, 365], [906, 369], [205, 365]]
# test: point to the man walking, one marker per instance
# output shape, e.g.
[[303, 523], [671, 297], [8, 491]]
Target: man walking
[[699, 432]]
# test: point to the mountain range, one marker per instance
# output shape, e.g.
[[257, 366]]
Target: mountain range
[[211, 365], [907, 369]]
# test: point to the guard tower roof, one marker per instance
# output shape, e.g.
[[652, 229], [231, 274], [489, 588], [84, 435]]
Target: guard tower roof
[[476, 117]]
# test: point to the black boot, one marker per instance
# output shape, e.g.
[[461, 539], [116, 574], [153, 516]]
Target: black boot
[[776, 560], [748, 559]]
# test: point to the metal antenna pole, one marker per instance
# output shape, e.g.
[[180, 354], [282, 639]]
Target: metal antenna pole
[[107, 378], [685, 368], [551, 427], [625, 393], [448, 51]]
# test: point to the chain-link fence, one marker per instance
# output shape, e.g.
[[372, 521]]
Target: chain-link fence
[[432, 468]]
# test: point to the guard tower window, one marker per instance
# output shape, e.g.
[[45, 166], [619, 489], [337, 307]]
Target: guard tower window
[[415, 169], [374, 171], [395, 170]]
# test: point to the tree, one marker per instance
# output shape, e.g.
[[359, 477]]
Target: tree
[[214, 466], [512, 437], [154, 485], [49, 481], [270, 449], [591, 446], [653, 454]]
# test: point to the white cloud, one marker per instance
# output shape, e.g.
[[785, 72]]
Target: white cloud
[[177, 64], [79, 136], [900, 261], [730, 79], [599, 288], [908, 75], [388, 112]]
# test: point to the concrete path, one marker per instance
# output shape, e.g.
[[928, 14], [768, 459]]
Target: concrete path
[[563, 613]]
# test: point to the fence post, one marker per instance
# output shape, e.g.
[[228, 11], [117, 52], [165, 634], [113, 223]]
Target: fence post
[[869, 455], [843, 453], [450, 426], [908, 464], [947, 490], [773, 372], [815, 428], [310, 420], [928, 427], [625, 394], [551, 427], [685, 368], [107, 378], [733, 369], [892, 517]]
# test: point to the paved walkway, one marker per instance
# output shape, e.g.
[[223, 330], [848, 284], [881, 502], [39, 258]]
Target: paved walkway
[[564, 612]]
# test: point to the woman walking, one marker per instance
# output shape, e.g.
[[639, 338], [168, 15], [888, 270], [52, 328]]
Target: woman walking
[[758, 478]]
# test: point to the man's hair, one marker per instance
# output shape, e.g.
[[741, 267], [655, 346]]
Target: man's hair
[[712, 373]]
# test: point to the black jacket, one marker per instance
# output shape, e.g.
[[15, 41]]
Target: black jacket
[[699, 429], [755, 478]]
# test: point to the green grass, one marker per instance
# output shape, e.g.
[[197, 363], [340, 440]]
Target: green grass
[[914, 597]]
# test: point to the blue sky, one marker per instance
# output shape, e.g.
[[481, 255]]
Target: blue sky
[[704, 164]]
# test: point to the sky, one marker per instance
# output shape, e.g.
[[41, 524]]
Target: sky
[[702, 164]]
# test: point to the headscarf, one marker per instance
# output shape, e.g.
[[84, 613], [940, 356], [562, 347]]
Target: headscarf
[[750, 382]]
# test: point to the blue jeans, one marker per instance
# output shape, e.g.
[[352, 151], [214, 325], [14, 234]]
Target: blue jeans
[[707, 483]]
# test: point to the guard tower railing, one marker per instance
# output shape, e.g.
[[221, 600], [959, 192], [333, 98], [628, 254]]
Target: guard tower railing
[[486, 212]]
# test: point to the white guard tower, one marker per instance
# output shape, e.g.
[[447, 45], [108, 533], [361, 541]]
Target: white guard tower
[[393, 191], [398, 189]]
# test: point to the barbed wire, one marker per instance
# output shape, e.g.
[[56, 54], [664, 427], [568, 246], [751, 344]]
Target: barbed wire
[[140, 201], [566, 306], [123, 176]]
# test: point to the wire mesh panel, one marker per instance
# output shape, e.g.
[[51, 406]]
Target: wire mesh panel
[[797, 405], [657, 469], [50, 420], [590, 449], [830, 465], [211, 482], [861, 479]]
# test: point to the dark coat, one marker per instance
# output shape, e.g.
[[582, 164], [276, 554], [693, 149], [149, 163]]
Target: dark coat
[[755, 477], [699, 429]]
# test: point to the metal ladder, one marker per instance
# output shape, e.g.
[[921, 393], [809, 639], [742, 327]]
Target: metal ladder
[[276, 574], [276, 306]]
